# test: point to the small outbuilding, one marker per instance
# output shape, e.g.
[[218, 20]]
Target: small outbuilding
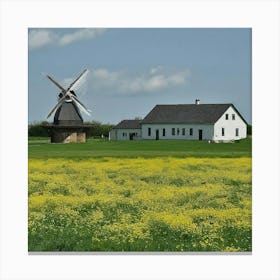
[[126, 130]]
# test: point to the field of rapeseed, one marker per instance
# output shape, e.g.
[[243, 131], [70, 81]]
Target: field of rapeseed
[[140, 204]]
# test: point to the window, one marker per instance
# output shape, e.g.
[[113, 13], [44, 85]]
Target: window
[[178, 131], [223, 131], [173, 131], [237, 132], [233, 116], [191, 131], [163, 132], [226, 116], [183, 131], [149, 131], [124, 134]]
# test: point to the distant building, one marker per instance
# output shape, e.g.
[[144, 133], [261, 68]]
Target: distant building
[[126, 130], [216, 122]]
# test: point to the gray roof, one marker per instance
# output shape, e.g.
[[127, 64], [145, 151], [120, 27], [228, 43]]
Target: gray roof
[[134, 124], [68, 114], [187, 113]]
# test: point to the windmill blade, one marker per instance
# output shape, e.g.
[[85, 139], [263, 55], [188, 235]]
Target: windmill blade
[[76, 80], [56, 106], [78, 101], [80, 105], [57, 84]]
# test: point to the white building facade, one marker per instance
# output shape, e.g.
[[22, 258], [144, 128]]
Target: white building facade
[[126, 130], [215, 122], [177, 131], [125, 134], [230, 126]]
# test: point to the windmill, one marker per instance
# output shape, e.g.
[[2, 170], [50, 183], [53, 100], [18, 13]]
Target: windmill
[[68, 122]]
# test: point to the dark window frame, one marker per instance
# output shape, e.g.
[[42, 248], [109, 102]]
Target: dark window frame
[[223, 131], [191, 132], [149, 131], [173, 131], [233, 117], [226, 116], [163, 132], [183, 131]]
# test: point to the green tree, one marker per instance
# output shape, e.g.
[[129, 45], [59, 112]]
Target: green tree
[[98, 129], [249, 129], [38, 129]]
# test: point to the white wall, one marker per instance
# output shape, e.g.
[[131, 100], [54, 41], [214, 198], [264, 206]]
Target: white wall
[[113, 134], [230, 126], [123, 133], [207, 131]]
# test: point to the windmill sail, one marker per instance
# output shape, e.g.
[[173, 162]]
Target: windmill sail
[[69, 96], [56, 106], [76, 80], [57, 84], [81, 105]]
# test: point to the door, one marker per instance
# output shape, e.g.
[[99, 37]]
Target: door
[[200, 134], [131, 136], [157, 134]]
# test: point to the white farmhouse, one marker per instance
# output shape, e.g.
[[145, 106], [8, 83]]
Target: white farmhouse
[[216, 122], [126, 130]]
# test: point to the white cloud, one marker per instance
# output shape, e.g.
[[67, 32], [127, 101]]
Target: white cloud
[[42, 37], [123, 82], [83, 34]]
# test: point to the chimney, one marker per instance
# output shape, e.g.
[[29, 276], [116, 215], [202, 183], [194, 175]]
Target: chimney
[[197, 101]]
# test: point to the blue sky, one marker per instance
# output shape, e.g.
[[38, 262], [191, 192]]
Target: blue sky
[[132, 70]]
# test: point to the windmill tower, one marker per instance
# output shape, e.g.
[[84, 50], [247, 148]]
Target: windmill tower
[[68, 122]]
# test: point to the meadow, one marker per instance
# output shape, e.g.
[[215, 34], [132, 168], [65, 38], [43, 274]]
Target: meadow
[[41, 148], [178, 196]]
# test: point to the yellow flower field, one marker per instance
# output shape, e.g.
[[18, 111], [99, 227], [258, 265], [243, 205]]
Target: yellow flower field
[[140, 204]]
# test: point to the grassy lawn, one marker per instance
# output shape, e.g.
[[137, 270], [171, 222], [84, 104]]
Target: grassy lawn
[[42, 148]]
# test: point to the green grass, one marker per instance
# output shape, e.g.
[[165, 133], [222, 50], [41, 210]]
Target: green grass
[[42, 148]]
